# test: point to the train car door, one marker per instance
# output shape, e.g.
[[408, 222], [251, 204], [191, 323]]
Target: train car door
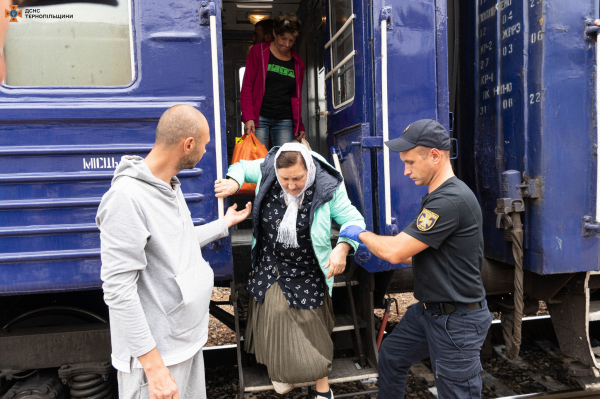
[[411, 75], [349, 88], [86, 84], [375, 91]]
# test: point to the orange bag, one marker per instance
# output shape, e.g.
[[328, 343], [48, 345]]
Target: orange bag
[[248, 148]]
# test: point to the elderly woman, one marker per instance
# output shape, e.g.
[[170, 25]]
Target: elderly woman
[[291, 319]]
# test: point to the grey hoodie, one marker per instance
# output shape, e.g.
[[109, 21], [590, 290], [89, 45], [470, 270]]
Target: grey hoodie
[[156, 283]]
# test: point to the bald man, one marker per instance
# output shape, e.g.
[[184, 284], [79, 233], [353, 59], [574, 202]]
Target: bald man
[[156, 283]]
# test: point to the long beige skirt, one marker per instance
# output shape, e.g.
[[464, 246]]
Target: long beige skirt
[[295, 344]]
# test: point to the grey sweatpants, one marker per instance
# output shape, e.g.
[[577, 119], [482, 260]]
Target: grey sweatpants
[[189, 377]]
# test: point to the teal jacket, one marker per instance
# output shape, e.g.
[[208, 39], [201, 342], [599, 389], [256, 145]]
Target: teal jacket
[[329, 201]]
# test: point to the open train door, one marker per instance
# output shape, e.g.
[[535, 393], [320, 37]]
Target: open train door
[[411, 75], [86, 84], [406, 41], [349, 88]]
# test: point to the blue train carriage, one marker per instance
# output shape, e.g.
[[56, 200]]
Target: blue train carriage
[[527, 109], [86, 85]]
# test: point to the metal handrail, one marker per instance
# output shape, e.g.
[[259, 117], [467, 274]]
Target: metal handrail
[[217, 107], [339, 32], [385, 129], [340, 64]]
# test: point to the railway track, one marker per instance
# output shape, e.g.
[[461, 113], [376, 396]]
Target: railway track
[[539, 372], [573, 393]]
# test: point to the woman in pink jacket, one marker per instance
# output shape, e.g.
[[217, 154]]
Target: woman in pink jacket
[[271, 97]]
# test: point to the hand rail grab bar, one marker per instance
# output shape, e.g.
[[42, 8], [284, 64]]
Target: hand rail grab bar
[[340, 64], [339, 32]]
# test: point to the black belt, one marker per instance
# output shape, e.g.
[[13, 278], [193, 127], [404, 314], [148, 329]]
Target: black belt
[[450, 307]]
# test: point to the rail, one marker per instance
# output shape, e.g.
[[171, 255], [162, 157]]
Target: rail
[[339, 32], [570, 393], [385, 128], [342, 62], [217, 106]]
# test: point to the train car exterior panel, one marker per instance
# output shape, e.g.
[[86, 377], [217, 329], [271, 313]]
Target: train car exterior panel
[[534, 114], [59, 147], [416, 36]]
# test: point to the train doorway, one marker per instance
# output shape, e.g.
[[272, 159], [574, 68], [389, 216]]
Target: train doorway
[[355, 354], [237, 37]]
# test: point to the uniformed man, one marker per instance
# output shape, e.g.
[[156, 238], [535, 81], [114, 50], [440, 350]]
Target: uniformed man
[[445, 246]]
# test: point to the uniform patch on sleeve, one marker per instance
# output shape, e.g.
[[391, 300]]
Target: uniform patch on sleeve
[[426, 220]]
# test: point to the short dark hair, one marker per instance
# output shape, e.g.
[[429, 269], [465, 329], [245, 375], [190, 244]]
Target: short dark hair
[[290, 158], [287, 23], [266, 25], [423, 151]]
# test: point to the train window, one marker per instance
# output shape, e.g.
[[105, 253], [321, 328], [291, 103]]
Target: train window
[[83, 44], [342, 52]]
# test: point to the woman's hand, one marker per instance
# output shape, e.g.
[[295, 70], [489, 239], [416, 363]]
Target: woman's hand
[[234, 217], [226, 187], [301, 135], [249, 127], [337, 260]]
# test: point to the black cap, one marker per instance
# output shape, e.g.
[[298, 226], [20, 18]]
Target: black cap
[[425, 132]]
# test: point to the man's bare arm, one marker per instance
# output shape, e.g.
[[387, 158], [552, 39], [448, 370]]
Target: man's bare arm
[[394, 249], [161, 384]]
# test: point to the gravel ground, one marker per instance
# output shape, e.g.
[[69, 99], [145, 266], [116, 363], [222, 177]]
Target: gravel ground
[[520, 381], [219, 333], [404, 301]]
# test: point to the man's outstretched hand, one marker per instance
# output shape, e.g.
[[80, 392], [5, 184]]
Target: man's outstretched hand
[[234, 217], [352, 232]]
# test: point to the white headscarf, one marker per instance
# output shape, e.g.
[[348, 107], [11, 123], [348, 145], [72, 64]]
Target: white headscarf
[[287, 228]]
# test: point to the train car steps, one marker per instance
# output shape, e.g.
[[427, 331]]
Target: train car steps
[[343, 370], [346, 368]]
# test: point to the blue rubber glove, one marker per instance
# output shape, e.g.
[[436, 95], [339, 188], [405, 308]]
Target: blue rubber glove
[[352, 232]]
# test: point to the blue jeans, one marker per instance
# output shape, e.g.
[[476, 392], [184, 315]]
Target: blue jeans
[[452, 342], [280, 130]]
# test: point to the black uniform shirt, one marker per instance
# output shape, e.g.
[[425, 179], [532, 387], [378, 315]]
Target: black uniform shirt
[[280, 87], [450, 223]]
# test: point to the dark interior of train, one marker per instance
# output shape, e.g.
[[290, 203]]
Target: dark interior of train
[[238, 27]]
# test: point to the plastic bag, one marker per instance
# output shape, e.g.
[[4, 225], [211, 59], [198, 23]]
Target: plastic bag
[[248, 148]]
